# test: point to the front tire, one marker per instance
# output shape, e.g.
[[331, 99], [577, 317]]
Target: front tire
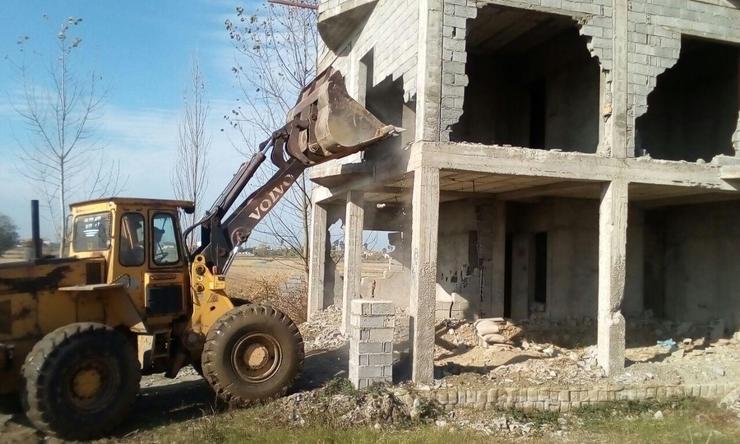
[[253, 353], [81, 381]]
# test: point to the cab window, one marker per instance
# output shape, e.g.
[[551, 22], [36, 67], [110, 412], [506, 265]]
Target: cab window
[[92, 232], [165, 245], [131, 252]]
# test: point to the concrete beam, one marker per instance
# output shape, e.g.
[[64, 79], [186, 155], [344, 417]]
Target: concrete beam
[[567, 165], [317, 259], [539, 190], [353, 226], [613, 214], [424, 233], [518, 161], [731, 172]]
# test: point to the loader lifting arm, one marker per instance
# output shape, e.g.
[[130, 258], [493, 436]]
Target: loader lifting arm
[[325, 124]]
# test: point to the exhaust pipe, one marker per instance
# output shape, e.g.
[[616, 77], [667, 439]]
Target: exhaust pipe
[[35, 230]]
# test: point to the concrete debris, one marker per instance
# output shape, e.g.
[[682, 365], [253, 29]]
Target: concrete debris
[[384, 407], [658, 415], [540, 353], [731, 401], [505, 425], [323, 331], [346, 407]]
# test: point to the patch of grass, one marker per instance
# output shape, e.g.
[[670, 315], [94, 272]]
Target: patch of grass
[[535, 417], [254, 426], [339, 386], [684, 420]]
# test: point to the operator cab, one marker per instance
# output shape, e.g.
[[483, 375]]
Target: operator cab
[[141, 242], [146, 230]]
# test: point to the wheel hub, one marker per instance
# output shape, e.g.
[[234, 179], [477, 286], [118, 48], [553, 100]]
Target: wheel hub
[[86, 383], [256, 357]]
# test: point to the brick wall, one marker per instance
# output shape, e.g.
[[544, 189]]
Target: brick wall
[[454, 79], [392, 31], [562, 399], [371, 342], [655, 28], [593, 17], [654, 43]]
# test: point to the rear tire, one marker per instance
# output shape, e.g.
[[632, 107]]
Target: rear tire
[[80, 381], [253, 353]]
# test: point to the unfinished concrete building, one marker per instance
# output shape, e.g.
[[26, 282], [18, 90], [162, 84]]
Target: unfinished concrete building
[[573, 158]]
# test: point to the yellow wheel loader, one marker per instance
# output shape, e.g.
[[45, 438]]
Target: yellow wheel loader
[[77, 333]]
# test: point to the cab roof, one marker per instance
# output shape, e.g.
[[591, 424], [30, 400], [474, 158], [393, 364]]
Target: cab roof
[[185, 205]]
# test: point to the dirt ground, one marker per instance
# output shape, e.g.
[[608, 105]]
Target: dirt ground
[[530, 361], [460, 360], [538, 353]]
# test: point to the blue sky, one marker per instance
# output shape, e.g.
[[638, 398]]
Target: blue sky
[[143, 51]]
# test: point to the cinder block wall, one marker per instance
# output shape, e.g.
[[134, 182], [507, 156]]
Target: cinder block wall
[[694, 263], [391, 31], [655, 29], [595, 17], [371, 343]]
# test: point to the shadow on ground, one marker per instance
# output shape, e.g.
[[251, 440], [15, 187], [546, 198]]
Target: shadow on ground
[[159, 405]]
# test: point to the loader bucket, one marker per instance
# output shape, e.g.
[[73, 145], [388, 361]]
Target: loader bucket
[[330, 124]]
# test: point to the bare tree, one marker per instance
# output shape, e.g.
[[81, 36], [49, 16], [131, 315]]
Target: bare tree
[[60, 155], [189, 179], [276, 50]]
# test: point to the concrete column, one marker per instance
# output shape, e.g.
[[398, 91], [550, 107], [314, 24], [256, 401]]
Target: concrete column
[[522, 275], [498, 269], [424, 232], [429, 71], [620, 118], [317, 259], [612, 271], [736, 135], [353, 226]]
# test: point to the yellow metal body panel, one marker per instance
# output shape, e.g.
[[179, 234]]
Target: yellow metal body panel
[[210, 300], [32, 306], [37, 297]]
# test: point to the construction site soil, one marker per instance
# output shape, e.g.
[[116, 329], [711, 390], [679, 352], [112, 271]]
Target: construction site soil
[[536, 352]]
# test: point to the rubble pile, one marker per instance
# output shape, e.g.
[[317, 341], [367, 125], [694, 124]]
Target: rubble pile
[[502, 424], [496, 351], [456, 333], [343, 406], [323, 330], [732, 402], [339, 405], [567, 368]]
